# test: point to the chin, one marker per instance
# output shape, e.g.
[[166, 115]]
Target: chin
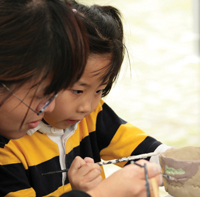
[[20, 135]]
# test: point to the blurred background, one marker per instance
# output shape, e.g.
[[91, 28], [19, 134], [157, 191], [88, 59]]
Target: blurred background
[[159, 89]]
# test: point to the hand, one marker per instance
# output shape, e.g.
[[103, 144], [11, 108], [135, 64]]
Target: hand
[[84, 174], [128, 181]]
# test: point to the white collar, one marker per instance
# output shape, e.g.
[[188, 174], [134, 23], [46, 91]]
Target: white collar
[[49, 130]]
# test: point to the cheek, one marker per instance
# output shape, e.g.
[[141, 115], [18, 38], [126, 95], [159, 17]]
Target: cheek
[[64, 104], [11, 119], [57, 118], [13, 110], [59, 114], [95, 102]]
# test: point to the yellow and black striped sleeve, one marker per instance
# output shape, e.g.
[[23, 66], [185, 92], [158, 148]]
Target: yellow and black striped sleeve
[[22, 163], [100, 135], [104, 135]]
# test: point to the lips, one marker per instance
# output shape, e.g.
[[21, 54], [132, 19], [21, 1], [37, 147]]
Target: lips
[[71, 122], [34, 124]]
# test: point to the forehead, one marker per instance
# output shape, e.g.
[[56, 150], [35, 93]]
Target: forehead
[[97, 65], [35, 85]]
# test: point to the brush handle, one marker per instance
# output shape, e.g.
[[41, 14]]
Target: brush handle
[[168, 177], [142, 156], [54, 172], [131, 158]]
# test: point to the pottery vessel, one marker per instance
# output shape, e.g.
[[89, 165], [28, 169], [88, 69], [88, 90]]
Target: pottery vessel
[[184, 165]]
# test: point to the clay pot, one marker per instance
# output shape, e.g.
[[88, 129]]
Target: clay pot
[[184, 165]]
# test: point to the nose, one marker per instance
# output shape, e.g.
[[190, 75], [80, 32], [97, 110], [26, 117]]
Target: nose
[[50, 107], [85, 106]]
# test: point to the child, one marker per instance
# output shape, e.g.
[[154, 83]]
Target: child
[[100, 133], [90, 126], [32, 66]]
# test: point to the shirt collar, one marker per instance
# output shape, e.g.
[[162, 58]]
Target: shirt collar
[[49, 130], [3, 141]]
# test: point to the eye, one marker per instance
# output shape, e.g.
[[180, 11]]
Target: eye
[[40, 97], [99, 91], [77, 91]]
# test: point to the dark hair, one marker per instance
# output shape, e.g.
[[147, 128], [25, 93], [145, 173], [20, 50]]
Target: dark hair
[[105, 33], [41, 37]]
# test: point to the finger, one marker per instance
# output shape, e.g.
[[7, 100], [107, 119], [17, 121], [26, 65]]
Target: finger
[[153, 169], [158, 179], [93, 174], [86, 168], [86, 185], [93, 183], [88, 160], [77, 163]]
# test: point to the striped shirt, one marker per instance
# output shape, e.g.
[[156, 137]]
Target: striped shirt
[[100, 135]]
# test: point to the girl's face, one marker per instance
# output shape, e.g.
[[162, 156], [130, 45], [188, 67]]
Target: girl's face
[[13, 111], [72, 105]]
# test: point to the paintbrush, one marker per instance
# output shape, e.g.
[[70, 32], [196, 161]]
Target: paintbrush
[[171, 178], [54, 172], [131, 158]]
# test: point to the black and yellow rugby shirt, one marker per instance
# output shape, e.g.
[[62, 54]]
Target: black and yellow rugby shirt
[[100, 135]]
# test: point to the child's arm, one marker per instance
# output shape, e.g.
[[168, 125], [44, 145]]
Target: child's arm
[[123, 138], [84, 174]]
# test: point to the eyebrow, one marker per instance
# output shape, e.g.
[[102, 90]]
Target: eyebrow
[[87, 85], [83, 84]]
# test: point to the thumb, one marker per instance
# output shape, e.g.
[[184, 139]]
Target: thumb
[[88, 160], [77, 163]]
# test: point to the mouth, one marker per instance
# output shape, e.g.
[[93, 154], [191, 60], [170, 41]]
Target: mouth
[[71, 122], [34, 124]]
